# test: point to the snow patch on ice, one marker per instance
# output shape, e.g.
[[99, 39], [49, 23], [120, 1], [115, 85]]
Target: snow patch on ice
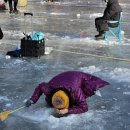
[[14, 34], [119, 74], [58, 13], [103, 107], [5, 98], [126, 93], [90, 69], [14, 63], [95, 15], [25, 100], [8, 105]]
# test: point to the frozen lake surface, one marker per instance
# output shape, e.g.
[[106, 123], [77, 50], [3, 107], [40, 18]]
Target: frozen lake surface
[[69, 29]]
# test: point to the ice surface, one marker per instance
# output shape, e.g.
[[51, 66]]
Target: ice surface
[[119, 74], [69, 39]]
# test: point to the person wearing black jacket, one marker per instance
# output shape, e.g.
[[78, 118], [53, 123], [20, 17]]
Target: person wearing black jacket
[[112, 12], [1, 34]]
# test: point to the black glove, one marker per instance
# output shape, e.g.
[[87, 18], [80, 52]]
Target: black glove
[[28, 103]]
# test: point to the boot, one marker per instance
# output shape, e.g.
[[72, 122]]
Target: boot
[[10, 8], [100, 36]]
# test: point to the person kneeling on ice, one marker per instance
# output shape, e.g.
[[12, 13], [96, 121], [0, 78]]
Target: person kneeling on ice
[[67, 92], [112, 12]]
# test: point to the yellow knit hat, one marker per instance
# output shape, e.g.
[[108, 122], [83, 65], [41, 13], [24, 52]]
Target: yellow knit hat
[[60, 100]]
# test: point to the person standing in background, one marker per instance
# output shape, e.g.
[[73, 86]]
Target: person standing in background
[[1, 34], [13, 6]]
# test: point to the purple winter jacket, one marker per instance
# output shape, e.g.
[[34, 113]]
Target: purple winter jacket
[[82, 86]]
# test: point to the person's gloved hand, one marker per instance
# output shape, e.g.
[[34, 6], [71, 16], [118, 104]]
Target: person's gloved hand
[[28, 103]]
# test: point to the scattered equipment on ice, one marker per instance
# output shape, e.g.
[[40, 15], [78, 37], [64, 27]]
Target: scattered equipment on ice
[[32, 45], [4, 115]]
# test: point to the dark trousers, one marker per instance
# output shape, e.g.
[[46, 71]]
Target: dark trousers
[[101, 24], [15, 4]]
